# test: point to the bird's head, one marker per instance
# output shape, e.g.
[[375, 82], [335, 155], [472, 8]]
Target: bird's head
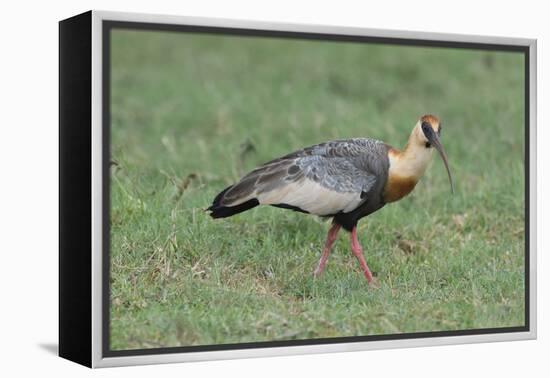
[[427, 133]]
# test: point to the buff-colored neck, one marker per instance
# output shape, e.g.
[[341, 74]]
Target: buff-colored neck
[[412, 161]]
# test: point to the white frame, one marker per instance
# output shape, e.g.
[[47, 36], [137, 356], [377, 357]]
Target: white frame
[[97, 358]]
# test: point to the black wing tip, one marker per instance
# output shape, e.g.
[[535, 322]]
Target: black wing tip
[[217, 210], [227, 211]]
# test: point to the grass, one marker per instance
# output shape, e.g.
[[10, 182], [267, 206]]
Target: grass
[[192, 113]]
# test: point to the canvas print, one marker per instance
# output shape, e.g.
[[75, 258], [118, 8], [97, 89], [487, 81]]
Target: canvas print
[[270, 189]]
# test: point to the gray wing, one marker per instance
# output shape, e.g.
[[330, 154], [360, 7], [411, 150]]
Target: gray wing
[[324, 179], [339, 174]]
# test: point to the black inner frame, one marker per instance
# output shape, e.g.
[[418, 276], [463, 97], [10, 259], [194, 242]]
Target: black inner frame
[[108, 26]]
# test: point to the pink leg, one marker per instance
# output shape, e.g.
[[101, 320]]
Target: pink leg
[[331, 238], [358, 252]]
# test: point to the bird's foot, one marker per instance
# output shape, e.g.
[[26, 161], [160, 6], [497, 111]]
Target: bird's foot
[[321, 266], [317, 273], [366, 270], [374, 283]]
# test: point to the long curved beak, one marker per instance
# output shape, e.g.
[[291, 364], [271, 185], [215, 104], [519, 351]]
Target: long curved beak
[[434, 140]]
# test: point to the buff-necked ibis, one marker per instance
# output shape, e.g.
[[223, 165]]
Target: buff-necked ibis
[[343, 179]]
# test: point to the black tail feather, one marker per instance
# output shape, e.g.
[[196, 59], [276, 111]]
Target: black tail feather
[[217, 210]]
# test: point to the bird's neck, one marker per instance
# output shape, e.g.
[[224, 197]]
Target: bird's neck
[[412, 161], [406, 168]]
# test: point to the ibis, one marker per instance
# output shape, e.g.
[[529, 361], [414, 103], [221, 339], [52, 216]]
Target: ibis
[[345, 180]]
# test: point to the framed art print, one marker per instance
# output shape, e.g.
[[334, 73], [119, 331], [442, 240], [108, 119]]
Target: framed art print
[[235, 188]]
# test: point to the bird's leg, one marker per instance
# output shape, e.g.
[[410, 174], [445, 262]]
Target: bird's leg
[[331, 238], [358, 252]]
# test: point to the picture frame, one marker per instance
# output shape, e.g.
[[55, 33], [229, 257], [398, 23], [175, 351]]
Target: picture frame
[[85, 162]]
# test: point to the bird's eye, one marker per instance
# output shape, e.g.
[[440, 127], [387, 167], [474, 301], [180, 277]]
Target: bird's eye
[[426, 128]]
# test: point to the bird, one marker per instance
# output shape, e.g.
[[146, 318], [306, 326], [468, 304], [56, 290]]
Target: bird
[[345, 180]]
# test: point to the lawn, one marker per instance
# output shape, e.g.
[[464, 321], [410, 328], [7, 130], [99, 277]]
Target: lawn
[[191, 113]]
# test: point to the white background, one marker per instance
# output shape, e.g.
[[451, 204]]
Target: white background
[[29, 174]]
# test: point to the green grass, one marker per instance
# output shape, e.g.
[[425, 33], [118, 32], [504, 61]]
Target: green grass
[[192, 113]]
